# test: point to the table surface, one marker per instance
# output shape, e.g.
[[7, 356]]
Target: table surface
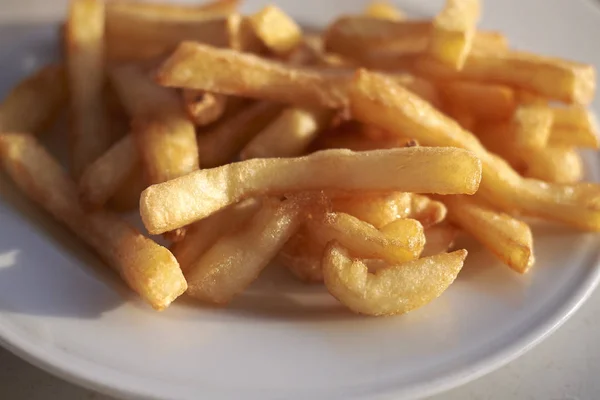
[[563, 367]]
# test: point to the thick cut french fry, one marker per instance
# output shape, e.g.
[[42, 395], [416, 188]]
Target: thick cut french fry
[[235, 260], [201, 235], [396, 289], [277, 30], [202, 107], [35, 102], [439, 239], [302, 256], [197, 66], [164, 136], [484, 101], [403, 241], [553, 78], [453, 32], [181, 201], [376, 100], [506, 237], [149, 269], [384, 10], [222, 143], [289, 135], [85, 68]]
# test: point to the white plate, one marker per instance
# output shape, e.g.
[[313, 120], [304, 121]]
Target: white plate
[[62, 312]]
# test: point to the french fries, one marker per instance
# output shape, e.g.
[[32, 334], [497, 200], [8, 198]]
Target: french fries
[[396, 289], [506, 237], [453, 32], [384, 10], [218, 279], [487, 102], [35, 102], [289, 135], [375, 99], [204, 108], [164, 136], [181, 201], [377, 210], [220, 145], [86, 76], [277, 30], [149, 269]]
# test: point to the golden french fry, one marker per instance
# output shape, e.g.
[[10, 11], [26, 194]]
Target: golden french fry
[[453, 32], [560, 136], [35, 102], [201, 235], [277, 30], [236, 259], [85, 68], [376, 100], [302, 256], [202, 107], [555, 164], [377, 210], [242, 36], [149, 269], [506, 237], [484, 101], [225, 71], [438, 239], [425, 210], [127, 196], [532, 126], [178, 202], [222, 143], [289, 135], [574, 126], [384, 10], [396, 289], [165, 138], [101, 179], [403, 241], [553, 78]]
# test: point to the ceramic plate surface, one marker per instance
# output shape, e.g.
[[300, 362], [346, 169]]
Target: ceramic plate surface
[[60, 310]]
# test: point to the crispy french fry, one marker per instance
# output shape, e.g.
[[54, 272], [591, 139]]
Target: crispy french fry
[[378, 101], [488, 102], [197, 66], [396, 289], [181, 201], [101, 180], [384, 10], [453, 32], [34, 103], [302, 255], [403, 241], [506, 237], [149, 269], [439, 239], [203, 107], [222, 143], [278, 31], [553, 78], [201, 235], [289, 135], [85, 68], [164, 136], [235, 260]]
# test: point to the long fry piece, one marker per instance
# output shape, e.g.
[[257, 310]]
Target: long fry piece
[[149, 269], [85, 66], [178, 202]]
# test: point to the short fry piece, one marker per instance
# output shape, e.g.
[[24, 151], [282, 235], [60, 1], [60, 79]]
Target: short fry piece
[[404, 242], [149, 269], [201, 235], [396, 289], [235, 260], [453, 32], [289, 135], [506, 237], [221, 144], [377, 101], [202, 107], [384, 10], [105, 175], [277, 30], [176, 203], [33, 104], [85, 67]]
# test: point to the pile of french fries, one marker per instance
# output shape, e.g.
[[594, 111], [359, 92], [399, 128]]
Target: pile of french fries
[[352, 157]]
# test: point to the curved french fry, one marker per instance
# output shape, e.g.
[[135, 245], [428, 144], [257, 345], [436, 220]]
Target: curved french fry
[[396, 289]]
